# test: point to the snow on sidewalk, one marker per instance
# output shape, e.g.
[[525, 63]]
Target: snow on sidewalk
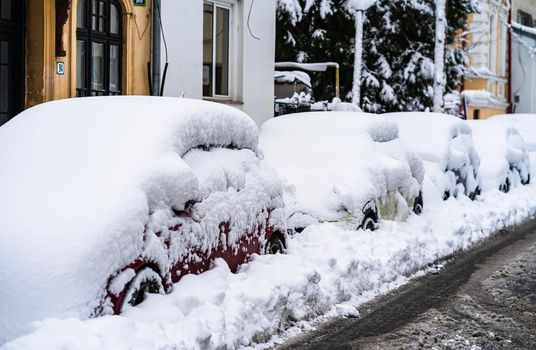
[[327, 272]]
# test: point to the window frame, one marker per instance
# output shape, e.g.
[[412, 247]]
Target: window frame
[[215, 5], [88, 36]]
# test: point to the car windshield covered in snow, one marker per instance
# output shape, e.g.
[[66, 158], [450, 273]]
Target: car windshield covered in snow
[[445, 145], [114, 196], [341, 166], [524, 123]]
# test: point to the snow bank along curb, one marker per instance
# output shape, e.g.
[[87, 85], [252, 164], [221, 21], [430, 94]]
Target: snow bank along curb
[[327, 271]]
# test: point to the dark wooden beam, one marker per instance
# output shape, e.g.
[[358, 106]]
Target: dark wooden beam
[[62, 14]]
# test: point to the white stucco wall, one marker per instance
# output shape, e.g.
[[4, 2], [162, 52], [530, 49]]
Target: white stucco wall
[[252, 60], [523, 74]]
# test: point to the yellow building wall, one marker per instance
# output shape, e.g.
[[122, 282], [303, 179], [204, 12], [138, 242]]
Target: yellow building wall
[[42, 82], [475, 84], [485, 113]]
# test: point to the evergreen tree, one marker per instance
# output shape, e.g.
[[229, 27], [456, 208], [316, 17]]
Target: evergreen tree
[[399, 48]]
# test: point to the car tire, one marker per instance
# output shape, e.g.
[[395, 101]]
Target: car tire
[[505, 186], [275, 245], [418, 205], [527, 181], [370, 221], [477, 192], [146, 281]]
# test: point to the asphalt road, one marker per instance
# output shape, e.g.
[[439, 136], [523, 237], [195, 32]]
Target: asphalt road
[[484, 298]]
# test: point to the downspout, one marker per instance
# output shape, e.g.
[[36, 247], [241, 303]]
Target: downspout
[[156, 48], [509, 77]]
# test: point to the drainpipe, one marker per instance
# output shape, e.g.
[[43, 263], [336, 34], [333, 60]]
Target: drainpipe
[[156, 42], [509, 77]]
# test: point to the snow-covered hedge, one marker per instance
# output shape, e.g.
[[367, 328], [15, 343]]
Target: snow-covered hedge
[[87, 183], [337, 163], [446, 146], [504, 159]]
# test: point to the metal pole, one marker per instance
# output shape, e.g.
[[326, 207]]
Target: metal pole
[[337, 81], [156, 37], [356, 95]]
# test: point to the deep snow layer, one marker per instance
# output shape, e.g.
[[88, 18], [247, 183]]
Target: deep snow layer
[[327, 272]]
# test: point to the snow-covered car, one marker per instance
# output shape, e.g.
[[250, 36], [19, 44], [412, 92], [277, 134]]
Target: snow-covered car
[[343, 167], [525, 125], [504, 161], [445, 145], [106, 199]]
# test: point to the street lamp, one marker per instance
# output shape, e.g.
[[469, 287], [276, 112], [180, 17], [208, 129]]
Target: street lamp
[[359, 7]]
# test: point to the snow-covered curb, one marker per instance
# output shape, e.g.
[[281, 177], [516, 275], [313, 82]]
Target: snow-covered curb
[[327, 272]]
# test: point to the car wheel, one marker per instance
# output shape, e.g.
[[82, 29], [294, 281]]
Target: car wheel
[[505, 187], [146, 281], [418, 206], [526, 181], [370, 221], [477, 192], [276, 244]]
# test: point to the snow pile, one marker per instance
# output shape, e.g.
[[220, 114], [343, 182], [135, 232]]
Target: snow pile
[[297, 99], [328, 272], [524, 123], [336, 105], [338, 164], [87, 177], [445, 145], [292, 77], [504, 160]]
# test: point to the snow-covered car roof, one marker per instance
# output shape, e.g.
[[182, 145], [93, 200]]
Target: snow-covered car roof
[[501, 148], [524, 123], [81, 177], [332, 163]]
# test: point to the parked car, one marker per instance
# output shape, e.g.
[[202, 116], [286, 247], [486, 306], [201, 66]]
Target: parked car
[[106, 199], [504, 158], [445, 145], [525, 125], [342, 167]]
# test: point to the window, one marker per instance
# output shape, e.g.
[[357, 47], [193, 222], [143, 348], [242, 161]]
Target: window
[[98, 48], [524, 18], [11, 59], [216, 50], [492, 54]]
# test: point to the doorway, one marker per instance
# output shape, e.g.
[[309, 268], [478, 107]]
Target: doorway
[[11, 58]]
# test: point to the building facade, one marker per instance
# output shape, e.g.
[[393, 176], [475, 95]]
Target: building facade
[[485, 85], [221, 51], [523, 59], [54, 49]]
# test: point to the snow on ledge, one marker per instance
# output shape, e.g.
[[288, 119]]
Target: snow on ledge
[[483, 98]]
